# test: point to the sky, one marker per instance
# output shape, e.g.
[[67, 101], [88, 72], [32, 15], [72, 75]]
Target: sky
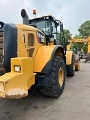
[[72, 13]]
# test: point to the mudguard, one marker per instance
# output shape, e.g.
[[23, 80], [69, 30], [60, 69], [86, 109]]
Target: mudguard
[[69, 55], [44, 57]]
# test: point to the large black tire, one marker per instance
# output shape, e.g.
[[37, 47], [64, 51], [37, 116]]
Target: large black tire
[[57, 77], [71, 68]]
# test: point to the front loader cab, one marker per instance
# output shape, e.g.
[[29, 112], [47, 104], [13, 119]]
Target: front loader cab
[[50, 26]]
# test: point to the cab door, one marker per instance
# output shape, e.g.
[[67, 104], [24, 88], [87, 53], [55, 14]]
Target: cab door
[[22, 44], [30, 43]]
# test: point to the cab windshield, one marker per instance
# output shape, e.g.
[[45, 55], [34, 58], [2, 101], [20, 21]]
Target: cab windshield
[[40, 25], [47, 27]]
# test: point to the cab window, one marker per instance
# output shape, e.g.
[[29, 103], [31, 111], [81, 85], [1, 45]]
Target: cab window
[[30, 39], [40, 37]]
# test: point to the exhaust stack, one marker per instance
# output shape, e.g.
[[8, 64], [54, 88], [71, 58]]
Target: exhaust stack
[[25, 17]]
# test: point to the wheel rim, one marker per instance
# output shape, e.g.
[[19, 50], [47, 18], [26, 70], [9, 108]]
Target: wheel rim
[[61, 76]]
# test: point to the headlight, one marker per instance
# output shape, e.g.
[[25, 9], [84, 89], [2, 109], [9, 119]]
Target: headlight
[[17, 68]]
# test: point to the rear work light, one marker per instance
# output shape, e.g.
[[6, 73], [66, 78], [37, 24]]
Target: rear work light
[[17, 68]]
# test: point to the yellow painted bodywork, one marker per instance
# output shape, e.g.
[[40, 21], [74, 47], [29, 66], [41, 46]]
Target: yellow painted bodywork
[[68, 47], [42, 57], [16, 84], [76, 56], [88, 45], [69, 57], [22, 40]]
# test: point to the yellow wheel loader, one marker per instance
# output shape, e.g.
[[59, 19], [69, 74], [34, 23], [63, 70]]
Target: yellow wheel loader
[[30, 54], [76, 55]]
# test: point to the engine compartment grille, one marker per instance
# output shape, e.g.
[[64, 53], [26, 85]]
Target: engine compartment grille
[[1, 51], [1, 43]]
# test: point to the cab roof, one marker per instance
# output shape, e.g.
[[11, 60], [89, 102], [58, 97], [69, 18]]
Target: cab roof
[[47, 18]]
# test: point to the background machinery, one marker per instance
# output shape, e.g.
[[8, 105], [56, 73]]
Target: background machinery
[[86, 41], [31, 54], [76, 55]]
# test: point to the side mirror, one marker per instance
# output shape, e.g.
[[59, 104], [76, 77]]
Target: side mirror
[[61, 27], [47, 28], [51, 28]]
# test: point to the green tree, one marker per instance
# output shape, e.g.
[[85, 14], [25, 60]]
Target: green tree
[[85, 48], [78, 36], [84, 29], [77, 46], [67, 34], [64, 36]]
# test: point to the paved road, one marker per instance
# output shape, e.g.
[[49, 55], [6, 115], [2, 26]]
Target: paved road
[[74, 103]]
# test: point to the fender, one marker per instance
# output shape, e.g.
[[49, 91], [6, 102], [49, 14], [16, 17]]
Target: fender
[[69, 57], [44, 57]]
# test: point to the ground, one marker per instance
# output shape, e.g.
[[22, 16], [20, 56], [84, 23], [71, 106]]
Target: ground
[[73, 104]]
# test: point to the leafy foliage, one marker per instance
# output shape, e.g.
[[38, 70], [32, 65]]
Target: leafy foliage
[[67, 34], [78, 36], [64, 36], [84, 32], [77, 46], [84, 29]]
